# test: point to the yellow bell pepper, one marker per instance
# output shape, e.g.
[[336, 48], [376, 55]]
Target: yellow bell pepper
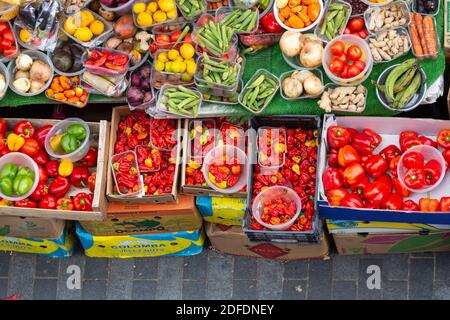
[[5, 203], [222, 185], [65, 168], [55, 143], [211, 177], [14, 142]]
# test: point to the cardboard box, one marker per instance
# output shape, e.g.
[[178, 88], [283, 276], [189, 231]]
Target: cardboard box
[[28, 227], [349, 226], [389, 129], [185, 243], [55, 248], [117, 114], [352, 244], [226, 211], [232, 240], [99, 138], [139, 218]]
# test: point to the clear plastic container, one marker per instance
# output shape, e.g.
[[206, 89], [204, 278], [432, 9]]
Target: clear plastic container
[[316, 72], [84, 5], [415, 101], [212, 131], [95, 41], [273, 193], [6, 7], [143, 105], [148, 149], [192, 16], [211, 5], [256, 75], [311, 26], [367, 55], [429, 153], [168, 148], [438, 45], [259, 41], [208, 94], [36, 55], [414, 9], [232, 134], [317, 30], [104, 71], [50, 39], [232, 51], [161, 108], [3, 58], [223, 12], [339, 110], [4, 71], [295, 63], [400, 31], [61, 127], [232, 153], [376, 4], [118, 84], [179, 24], [262, 13], [140, 191], [160, 78], [150, 27], [367, 15], [279, 137], [20, 160], [71, 103], [60, 43], [120, 10]]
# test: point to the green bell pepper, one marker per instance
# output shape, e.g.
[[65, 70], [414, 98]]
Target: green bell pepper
[[26, 172], [78, 131], [22, 184], [9, 170], [70, 143], [6, 185]]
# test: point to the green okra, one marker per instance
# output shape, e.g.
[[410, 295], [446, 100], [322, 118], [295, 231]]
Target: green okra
[[257, 82]]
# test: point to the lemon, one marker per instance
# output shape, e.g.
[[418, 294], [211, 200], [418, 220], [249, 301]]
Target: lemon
[[152, 7], [163, 57], [71, 25], [180, 59], [86, 18], [168, 66], [166, 5], [159, 65], [144, 19], [139, 7], [173, 54], [186, 77], [83, 34], [172, 14], [191, 67], [187, 51], [178, 66], [24, 35], [97, 27], [159, 16]]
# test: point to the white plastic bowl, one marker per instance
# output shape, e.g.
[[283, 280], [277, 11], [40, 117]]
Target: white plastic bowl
[[20, 160], [231, 151], [120, 10], [62, 127], [429, 153], [273, 193], [311, 26], [377, 4]]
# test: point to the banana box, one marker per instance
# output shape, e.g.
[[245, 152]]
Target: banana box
[[222, 210], [183, 243], [352, 226], [55, 248]]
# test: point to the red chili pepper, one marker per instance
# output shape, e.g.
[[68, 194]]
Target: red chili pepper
[[375, 166], [353, 173], [352, 201], [428, 205], [64, 204], [444, 204], [51, 168], [413, 160], [393, 202], [393, 165], [79, 177], [43, 177], [363, 143], [47, 202], [399, 188], [415, 178], [443, 139], [30, 147], [41, 157], [25, 203], [337, 137], [90, 159], [358, 187], [270, 23], [410, 205], [332, 179], [335, 196], [409, 142], [91, 181], [24, 128], [428, 142], [59, 187], [41, 133], [432, 171], [375, 136], [40, 192], [378, 190], [347, 155], [390, 152], [83, 201]]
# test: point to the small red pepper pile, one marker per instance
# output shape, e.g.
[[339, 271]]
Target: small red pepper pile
[[356, 177], [126, 173], [148, 159], [271, 146], [224, 171], [162, 134], [161, 182], [298, 173], [278, 211], [133, 131], [202, 137]]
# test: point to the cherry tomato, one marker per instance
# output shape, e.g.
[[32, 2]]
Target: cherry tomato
[[344, 73], [356, 24], [336, 66], [360, 64], [353, 71], [337, 48], [347, 30], [354, 53]]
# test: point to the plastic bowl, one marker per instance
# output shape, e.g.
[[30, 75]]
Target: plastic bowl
[[429, 153], [311, 26], [120, 10], [103, 71], [315, 72], [348, 40], [20, 160], [59, 43], [273, 193], [377, 4], [368, 14], [231, 152], [61, 127], [4, 71], [3, 58], [222, 12], [36, 55], [136, 193]]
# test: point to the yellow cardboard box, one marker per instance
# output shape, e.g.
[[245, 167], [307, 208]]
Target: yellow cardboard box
[[226, 211], [350, 226]]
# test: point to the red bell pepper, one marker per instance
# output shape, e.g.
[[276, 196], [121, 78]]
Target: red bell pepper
[[59, 187], [353, 173], [370, 204], [390, 152], [3, 126], [393, 165], [358, 187], [83, 202], [41, 133], [409, 142], [91, 181], [444, 204], [90, 159], [25, 203], [48, 202], [399, 188], [352, 201], [413, 160], [40, 192], [30, 147], [443, 139], [335, 196], [333, 159], [378, 190], [446, 155], [24, 128], [429, 205], [375, 136], [41, 157], [43, 177], [375, 166], [393, 202], [415, 178], [348, 155], [428, 142], [79, 177], [337, 137], [407, 134], [64, 204], [332, 179], [410, 205], [363, 143], [270, 23], [432, 172], [52, 168]]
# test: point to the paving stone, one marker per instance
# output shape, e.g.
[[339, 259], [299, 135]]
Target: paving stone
[[144, 289], [244, 290], [65, 292], [364, 292], [94, 289], [120, 282], [320, 277], [441, 290], [421, 277], [442, 266], [170, 283], [96, 269], [194, 290], [146, 268], [21, 275], [5, 258], [45, 289], [195, 266], [297, 269], [345, 267], [47, 267], [270, 281], [3, 287], [295, 289], [245, 268], [344, 290], [395, 290], [395, 267], [220, 276]]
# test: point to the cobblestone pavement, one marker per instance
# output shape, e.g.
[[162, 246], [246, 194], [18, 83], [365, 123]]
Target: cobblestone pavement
[[211, 275]]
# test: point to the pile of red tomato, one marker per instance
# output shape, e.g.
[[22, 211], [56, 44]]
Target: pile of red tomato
[[346, 62], [356, 27]]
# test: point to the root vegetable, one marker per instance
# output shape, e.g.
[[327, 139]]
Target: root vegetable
[[313, 86], [290, 43], [292, 88], [311, 54], [40, 71], [36, 86], [302, 75], [2, 84], [24, 62], [22, 74], [22, 84]]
